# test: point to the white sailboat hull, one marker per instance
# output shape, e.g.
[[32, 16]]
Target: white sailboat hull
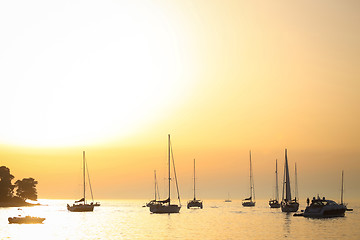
[[160, 208]]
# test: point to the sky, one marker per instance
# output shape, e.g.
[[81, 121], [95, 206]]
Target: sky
[[113, 78]]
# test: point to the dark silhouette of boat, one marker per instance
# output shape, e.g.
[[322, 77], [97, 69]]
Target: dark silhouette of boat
[[287, 204], [228, 199], [274, 203], [194, 203], [324, 208], [26, 220], [156, 191], [342, 193], [250, 201], [165, 206], [81, 205]]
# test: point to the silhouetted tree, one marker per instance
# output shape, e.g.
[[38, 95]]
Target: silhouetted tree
[[26, 189], [6, 188]]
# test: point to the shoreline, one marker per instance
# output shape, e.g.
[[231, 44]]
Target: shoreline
[[14, 204]]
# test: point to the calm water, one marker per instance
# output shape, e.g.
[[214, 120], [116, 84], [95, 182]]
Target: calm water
[[126, 219]]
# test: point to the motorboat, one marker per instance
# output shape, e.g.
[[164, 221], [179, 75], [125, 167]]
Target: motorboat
[[26, 220], [324, 208]]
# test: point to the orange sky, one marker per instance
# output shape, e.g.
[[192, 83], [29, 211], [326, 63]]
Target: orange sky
[[114, 78]]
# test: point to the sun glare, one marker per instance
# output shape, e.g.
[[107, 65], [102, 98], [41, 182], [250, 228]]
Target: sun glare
[[84, 81]]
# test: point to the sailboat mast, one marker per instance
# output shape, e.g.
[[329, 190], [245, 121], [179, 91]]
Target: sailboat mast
[[155, 183], [252, 192], [283, 188], [276, 184], [287, 179], [87, 172], [296, 184], [250, 177], [84, 173], [342, 187], [194, 179], [169, 164]]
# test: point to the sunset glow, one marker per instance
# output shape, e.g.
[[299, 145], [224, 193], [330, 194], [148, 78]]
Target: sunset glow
[[113, 78]]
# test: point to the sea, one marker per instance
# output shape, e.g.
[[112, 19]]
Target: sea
[[128, 219]]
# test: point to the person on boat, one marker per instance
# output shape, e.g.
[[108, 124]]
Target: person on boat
[[308, 201]]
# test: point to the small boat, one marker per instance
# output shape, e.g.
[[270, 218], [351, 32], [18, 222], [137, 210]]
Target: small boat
[[157, 195], [26, 220], [250, 201], [287, 204], [228, 199], [194, 203], [324, 208], [342, 193], [165, 206], [274, 203], [81, 205]]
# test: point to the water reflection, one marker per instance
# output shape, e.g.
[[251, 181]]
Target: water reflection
[[287, 224], [126, 219]]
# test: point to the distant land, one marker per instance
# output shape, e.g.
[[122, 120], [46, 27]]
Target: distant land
[[25, 189]]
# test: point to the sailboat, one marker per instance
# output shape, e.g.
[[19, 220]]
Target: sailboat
[[274, 203], [250, 201], [81, 205], [165, 206], [287, 204], [157, 194], [194, 202], [228, 199], [342, 192]]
